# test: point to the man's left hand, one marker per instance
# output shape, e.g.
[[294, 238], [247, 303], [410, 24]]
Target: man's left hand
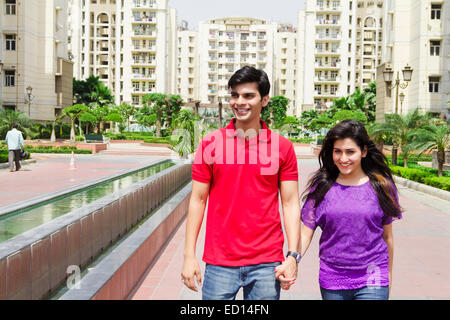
[[287, 273]]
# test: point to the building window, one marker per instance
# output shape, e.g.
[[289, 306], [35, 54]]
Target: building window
[[433, 84], [10, 42], [435, 47], [10, 78], [10, 7], [436, 11]]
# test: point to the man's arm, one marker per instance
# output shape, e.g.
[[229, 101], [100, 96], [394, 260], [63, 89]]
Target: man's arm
[[197, 204], [290, 202], [21, 143]]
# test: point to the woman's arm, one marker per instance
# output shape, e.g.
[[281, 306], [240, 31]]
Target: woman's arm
[[388, 237], [306, 235]]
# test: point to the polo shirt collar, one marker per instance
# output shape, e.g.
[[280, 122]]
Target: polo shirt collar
[[231, 132]]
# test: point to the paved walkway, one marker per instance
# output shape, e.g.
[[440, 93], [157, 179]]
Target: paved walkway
[[422, 237], [421, 263]]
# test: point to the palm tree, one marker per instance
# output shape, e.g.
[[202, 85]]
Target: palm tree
[[9, 117], [186, 121], [432, 137], [402, 126], [56, 121]]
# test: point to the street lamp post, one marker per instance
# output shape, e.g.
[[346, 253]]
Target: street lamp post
[[388, 77], [29, 99]]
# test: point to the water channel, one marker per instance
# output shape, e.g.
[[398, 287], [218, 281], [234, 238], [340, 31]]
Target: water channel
[[17, 222]]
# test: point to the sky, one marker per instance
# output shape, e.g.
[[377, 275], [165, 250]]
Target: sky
[[279, 11]]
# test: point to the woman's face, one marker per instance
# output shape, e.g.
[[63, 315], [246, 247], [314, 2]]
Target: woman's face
[[347, 156]]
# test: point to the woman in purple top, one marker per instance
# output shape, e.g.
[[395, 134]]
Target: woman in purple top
[[353, 199]]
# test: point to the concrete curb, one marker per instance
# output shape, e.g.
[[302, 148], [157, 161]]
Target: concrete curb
[[23, 162], [423, 188]]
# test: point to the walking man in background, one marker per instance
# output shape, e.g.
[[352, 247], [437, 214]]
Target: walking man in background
[[14, 140]]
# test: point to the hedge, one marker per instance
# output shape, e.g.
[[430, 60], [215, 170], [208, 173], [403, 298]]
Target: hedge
[[166, 140], [303, 140], [422, 176], [53, 149], [4, 156]]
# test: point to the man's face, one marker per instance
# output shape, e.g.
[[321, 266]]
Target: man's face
[[246, 102]]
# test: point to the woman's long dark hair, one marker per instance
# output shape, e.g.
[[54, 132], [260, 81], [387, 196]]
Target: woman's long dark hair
[[375, 166]]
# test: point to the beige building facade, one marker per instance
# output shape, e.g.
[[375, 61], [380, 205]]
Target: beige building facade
[[286, 65], [34, 55], [227, 44], [417, 33], [130, 45]]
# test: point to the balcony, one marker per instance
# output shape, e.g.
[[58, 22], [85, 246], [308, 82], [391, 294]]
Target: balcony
[[142, 48], [323, 94], [332, 65], [325, 8], [143, 4], [331, 37], [139, 76], [144, 20], [144, 62], [327, 52], [327, 79], [328, 23]]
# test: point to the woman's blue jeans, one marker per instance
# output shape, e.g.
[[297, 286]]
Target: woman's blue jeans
[[258, 282], [366, 293]]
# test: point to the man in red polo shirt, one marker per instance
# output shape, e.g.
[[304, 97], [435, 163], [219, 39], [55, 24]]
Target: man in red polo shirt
[[241, 168]]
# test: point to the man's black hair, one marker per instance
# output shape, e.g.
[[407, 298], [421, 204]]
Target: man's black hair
[[15, 126], [251, 74]]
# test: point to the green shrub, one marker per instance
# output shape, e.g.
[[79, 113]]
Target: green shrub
[[439, 182], [410, 174], [158, 140], [303, 140]]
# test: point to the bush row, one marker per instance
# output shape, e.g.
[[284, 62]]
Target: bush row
[[4, 156], [302, 140], [166, 140], [128, 135], [414, 157], [54, 149], [422, 176]]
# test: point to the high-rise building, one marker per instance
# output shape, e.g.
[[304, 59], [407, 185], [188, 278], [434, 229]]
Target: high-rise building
[[226, 45], [286, 65], [340, 48], [416, 34], [368, 40], [327, 59], [130, 45], [36, 75], [187, 63]]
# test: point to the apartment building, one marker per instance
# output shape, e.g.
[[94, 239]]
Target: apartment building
[[327, 56], [187, 64], [130, 45], [36, 72], [417, 33], [226, 45], [369, 37], [286, 65]]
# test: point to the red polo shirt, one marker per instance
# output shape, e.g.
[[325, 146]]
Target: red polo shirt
[[243, 224]]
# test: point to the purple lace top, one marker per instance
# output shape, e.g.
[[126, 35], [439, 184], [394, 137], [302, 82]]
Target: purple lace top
[[352, 251]]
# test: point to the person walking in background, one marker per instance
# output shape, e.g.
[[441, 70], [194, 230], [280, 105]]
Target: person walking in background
[[14, 140], [353, 199], [241, 168]]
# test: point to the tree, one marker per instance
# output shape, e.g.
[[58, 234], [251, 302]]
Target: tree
[[185, 133], [401, 125], [371, 99], [432, 137], [275, 110], [89, 119], [157, 103], [73, 113], [83, 89], [9, 117], [145, 116], [349, 114], [173, 107], [126, 111], [307, 117], [57, 120]]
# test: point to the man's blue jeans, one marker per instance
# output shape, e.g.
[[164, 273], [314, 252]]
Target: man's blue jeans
[[258, 282], [366, 293]]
